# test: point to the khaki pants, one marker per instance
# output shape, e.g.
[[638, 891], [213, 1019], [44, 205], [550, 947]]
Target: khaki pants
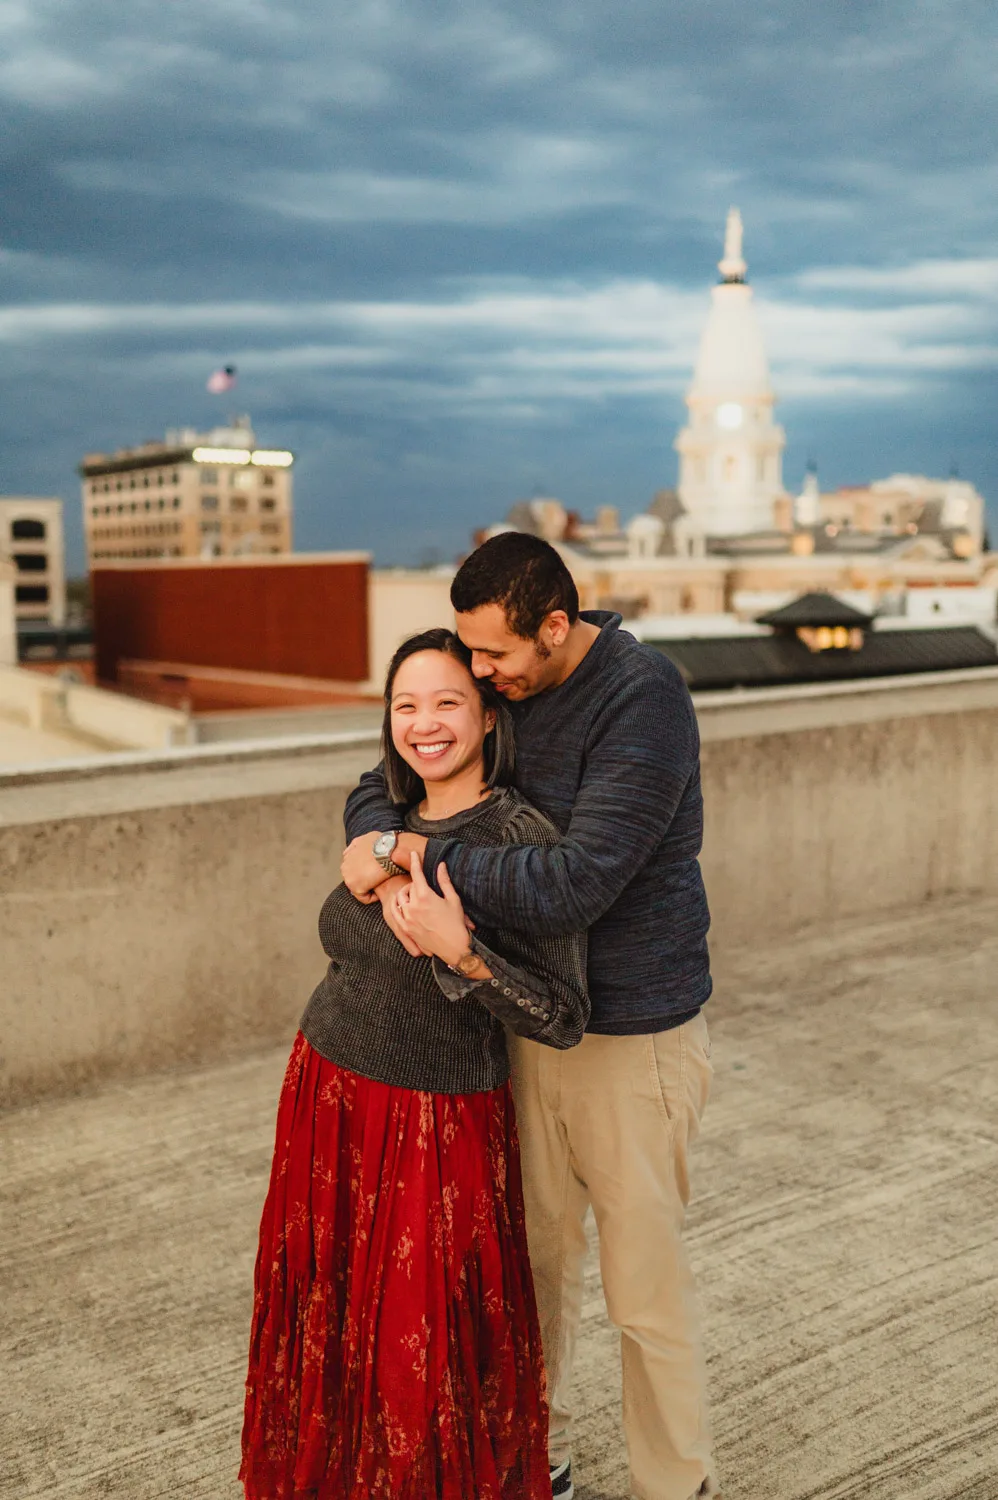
[[609, 1123]]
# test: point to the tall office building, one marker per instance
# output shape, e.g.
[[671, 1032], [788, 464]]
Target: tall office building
[[211, 494]]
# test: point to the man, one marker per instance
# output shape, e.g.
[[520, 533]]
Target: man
[[608, 748]]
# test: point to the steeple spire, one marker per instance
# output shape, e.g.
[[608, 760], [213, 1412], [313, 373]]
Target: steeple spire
[[732, 267], [731, 448]]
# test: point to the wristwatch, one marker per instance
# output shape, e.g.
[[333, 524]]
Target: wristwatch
[[383, 848], [465, 965]]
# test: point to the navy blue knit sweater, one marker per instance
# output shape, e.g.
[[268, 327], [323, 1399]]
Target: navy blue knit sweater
[[612, 756]]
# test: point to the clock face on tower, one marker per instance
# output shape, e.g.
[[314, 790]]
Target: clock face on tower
[[730, 414]]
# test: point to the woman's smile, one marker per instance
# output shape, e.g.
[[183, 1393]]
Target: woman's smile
[[432, 750]]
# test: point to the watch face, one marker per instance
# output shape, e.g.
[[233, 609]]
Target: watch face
[[467, 962], [384, 844]]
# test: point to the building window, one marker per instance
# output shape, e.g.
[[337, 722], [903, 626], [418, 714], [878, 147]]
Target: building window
[[211, 528], [267, 479], [238, 502], [176, 502], [32, 593], [31, 562], [270, 526], [268, 503], [145, 480], [209, 502], [159, 478], [209, 476], [27, 531]]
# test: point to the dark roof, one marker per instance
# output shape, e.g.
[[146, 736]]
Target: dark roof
[[667, 505], [768, 661], [814, 609]]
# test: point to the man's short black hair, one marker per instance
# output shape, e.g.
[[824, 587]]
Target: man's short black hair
[[523, 574]]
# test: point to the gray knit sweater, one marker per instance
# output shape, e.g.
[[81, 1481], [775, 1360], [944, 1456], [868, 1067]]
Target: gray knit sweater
[[413, 1022]]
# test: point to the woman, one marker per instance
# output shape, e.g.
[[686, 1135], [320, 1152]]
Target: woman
[[395, 1349]]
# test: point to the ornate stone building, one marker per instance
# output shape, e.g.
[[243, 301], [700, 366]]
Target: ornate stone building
[[730, 451], [731, 540]]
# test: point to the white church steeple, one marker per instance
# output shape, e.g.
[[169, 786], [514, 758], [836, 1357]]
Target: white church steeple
[[730, 451]]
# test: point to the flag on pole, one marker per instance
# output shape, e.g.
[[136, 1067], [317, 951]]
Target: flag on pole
[[222, 380]]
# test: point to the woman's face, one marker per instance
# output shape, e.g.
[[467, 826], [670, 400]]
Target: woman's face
[[438, 719]]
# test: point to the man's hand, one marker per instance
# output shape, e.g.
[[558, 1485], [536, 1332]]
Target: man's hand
[[388, 893], [359, 869]]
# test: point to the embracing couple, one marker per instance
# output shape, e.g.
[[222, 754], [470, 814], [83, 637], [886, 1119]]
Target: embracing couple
[[522, 920]]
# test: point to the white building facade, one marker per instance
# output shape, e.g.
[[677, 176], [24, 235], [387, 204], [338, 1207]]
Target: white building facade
[[31, 538]]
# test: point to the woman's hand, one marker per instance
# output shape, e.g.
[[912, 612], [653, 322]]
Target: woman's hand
[[436, 924], [389, 893]]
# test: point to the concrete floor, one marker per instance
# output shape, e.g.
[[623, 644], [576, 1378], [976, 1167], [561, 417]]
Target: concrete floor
[[844, 1231]]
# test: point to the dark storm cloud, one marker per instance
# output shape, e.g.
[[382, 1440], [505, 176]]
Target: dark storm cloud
[[459, 251]]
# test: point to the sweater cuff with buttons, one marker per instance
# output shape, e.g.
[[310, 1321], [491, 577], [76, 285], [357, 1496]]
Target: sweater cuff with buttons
[[521, 1001]]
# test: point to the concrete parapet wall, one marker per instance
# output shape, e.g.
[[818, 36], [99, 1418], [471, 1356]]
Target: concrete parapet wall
[[167, 911], [99, 717]]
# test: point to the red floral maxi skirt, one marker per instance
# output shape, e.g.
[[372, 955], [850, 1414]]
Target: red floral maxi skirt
[[395, 1349]]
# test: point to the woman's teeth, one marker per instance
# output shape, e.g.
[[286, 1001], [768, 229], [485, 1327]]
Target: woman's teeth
[[435, 749]]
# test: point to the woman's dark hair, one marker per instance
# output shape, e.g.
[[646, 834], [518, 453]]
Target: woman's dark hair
[[402, 783], [522, 573]]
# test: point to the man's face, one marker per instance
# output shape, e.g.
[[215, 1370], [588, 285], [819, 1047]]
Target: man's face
[[517, 668]]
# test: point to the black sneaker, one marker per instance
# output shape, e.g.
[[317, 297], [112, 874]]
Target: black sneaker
[[562, 1487]]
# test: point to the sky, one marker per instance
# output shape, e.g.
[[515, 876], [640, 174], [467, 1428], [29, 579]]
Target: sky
[[460, 253]]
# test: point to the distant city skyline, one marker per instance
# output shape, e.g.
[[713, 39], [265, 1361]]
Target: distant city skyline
[[461, 256]]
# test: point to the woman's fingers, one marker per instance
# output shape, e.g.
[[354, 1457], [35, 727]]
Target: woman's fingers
[[416, 871], [447, 887]]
